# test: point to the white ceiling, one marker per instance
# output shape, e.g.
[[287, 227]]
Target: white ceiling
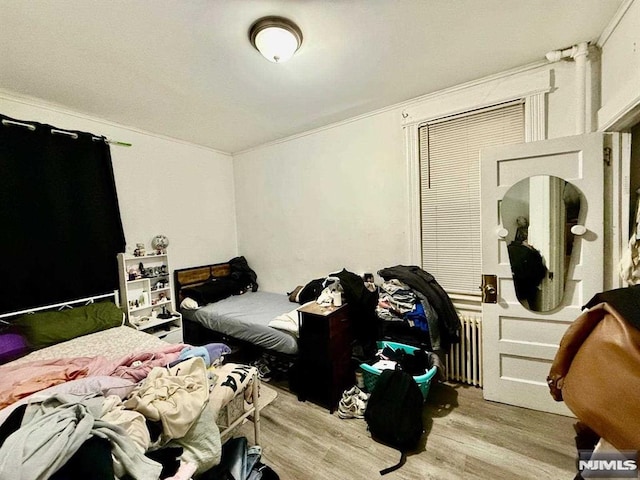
[[186, 69]]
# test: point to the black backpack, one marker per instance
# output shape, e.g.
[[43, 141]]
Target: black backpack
[[394, 413]]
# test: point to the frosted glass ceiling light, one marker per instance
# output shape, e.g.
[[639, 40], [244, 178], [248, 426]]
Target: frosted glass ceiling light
[[276, 38]]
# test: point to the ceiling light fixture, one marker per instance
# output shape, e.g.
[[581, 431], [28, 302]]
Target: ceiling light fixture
[[276, 38]]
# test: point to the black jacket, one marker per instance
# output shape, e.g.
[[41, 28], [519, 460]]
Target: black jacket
[[241, 272], [362, 310]]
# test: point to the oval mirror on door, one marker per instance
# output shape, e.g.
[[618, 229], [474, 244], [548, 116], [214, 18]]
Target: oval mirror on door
[[539, 212]]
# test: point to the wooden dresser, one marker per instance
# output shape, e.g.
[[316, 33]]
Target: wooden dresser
[[324, 366]]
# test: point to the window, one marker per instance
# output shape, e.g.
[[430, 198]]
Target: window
[[449, 157]]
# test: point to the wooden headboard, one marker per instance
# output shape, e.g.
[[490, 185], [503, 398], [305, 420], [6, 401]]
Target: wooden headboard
[[192, 276]]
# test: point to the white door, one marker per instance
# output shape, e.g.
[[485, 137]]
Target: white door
[[519, 345]]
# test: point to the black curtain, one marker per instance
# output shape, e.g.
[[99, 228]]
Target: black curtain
[[59, 215]]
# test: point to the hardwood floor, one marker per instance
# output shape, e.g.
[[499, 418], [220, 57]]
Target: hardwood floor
[[466, 438]]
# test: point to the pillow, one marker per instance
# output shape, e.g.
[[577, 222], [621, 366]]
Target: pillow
[[12, 346], [214, 290], [189, 304], [42, 329]]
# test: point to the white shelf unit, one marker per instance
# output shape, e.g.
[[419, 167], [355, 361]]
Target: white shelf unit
[[145, 291]]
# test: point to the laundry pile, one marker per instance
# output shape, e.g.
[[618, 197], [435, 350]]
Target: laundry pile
[[397, 302], [416, 310]]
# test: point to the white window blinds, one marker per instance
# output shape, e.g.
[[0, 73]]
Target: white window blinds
[[450, 190]]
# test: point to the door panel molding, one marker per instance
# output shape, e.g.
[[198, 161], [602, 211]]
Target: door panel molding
[[519, 344]]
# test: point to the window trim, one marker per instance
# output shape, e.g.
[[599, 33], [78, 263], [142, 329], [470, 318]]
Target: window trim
[[529, 85]]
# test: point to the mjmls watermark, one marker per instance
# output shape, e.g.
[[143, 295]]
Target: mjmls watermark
[[620, 464]]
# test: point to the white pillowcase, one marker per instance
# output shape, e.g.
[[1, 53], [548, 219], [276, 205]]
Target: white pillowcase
[[189, 304]]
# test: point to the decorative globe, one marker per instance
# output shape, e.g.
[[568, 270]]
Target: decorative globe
[[160, 243]]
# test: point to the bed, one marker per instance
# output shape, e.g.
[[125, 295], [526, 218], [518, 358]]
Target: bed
[[212, 304], [105, 360]]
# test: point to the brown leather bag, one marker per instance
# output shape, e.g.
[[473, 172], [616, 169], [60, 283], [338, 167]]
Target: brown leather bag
[[596, 371]]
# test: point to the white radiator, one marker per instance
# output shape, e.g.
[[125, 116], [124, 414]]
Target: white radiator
[[464, 360]]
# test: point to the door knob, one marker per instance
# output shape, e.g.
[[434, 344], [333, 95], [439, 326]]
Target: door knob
[[578, 230], [489, 289]]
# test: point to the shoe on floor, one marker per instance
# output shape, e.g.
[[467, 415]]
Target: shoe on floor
[[264, 372], [350, 393], [355, 392], [352, 407]]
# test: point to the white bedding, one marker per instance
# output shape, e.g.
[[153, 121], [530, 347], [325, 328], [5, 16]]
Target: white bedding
[[288, 322]]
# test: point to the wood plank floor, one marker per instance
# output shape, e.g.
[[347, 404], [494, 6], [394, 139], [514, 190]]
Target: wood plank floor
[[466, 438]]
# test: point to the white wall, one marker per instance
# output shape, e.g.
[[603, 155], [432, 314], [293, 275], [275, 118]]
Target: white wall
[[324, 201], [338, 197], [164, 186]]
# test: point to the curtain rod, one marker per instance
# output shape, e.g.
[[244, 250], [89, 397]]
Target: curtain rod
[[55, 131]]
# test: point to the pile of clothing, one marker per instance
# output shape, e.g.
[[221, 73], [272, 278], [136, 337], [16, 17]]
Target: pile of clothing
[[148, 415], [416, 310], [109, 436], [397, 302]]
